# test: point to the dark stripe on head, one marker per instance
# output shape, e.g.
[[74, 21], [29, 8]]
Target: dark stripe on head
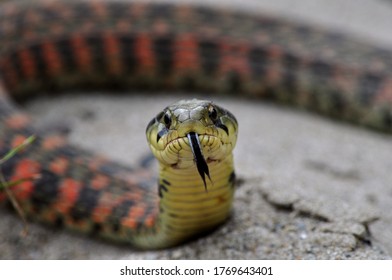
[[161, 133], [219, 124]]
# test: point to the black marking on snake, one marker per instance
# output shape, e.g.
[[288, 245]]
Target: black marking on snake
[[369, 85], [232, 178], [257, 60], [234, 82], [95, 43], [68, 60], [127, 46], [201, 163], [119, 212], [86, 202], [163, 49], [161, 188], [41, 67], [59, 221], [46, 189], [162, 132], [219, 124], [291, 63], [210, 56], [17, 64], [166, 182], [96, 228], [160, 11], [387, 118], [83, 11], [321, 69]]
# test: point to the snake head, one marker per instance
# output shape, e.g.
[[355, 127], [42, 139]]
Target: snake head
[[192, 133]]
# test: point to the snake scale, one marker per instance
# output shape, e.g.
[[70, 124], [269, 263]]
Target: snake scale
[[52, 46]]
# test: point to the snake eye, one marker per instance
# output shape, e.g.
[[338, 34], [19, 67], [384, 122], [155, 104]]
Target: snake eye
[[212, 113], [167, 120]]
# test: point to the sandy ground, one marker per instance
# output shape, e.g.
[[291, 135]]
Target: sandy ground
[[311, 188]]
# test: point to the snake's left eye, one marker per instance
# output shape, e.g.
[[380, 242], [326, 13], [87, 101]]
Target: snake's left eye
[[167, 120], [213, 113]]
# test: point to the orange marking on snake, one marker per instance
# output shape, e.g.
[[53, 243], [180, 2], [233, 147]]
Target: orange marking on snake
[[112, 50], [144, 52], [130, 222], [137, 211], [82, 53], [59, 165], [100, 182], [186, 57], [149, 221], [17, 121], [100, 214], [237, 62], [69, 192], [105, 206], [26, 170], [18, 140], [52, 142], [134, 213], [22, 190], [52, 58]]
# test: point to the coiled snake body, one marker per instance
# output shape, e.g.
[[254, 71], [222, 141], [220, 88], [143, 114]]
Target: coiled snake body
[[52, 45]]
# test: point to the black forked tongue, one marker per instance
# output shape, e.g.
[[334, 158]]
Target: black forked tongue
[[201, 163]]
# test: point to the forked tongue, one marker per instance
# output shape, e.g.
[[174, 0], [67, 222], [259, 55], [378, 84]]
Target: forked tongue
[[201, 163]]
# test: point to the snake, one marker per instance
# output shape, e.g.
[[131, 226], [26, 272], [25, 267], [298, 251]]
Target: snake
[[47, 47]]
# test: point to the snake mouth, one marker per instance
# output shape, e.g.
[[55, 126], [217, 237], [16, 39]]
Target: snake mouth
[[201, 163]]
